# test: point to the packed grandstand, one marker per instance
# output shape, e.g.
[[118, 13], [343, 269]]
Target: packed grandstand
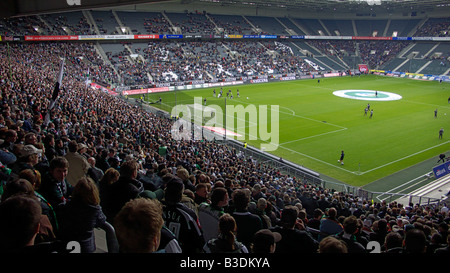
[[103, 136]]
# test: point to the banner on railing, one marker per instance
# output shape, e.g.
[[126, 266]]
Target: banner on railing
[[442, 170]]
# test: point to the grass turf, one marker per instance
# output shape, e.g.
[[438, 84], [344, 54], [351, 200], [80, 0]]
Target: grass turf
[[315, 125]]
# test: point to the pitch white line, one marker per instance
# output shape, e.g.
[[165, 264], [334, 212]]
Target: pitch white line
[[400, 159], [298, 116], [321, 161], [300, 139], [402, 187]]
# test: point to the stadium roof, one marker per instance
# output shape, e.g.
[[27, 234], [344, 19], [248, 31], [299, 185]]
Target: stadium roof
[[343, 5], [10, 8]]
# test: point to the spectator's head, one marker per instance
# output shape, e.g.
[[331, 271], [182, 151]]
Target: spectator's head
[[241, 198], [111, 175], [183, 174], [129, 169], [351, 225], [332, 213], [415, 241], [73, 146], [219, 197], [18, 186], [59, 167], [33, 176], [30, 138], [138, 226], [261, 204], [331, 244], [86, 191], [318, 213], [393, 240], [265, 241], [174, 190], [201, 190], [29, 153], [382, 225], [289, 216], [11, 136], [20, 216], [228, 227]]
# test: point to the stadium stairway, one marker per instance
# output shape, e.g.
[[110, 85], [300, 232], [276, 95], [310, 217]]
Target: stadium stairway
[[100, 241], [437, 189]]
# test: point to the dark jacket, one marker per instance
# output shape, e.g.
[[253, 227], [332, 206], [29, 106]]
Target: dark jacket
[[183, 222], [353, 246], [114, 196], [53, 191], [247, 225], [295, 241], [77, 221]]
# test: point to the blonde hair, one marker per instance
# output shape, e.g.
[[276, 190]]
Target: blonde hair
[[137, 224], [86, 190]]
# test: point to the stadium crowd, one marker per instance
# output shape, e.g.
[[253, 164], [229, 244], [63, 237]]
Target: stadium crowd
[[100, 159], [203, 60]]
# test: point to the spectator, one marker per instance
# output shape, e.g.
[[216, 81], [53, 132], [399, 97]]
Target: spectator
[[49, 144], [54, 187], [330, 225], [257, 193], [415, 241], [294, 237], [9, 140], [201, 193], [78, 165], [443, 229], [123, 190], [138, 226], [332, 244], [393, 242], [21, 216], [435, 243], [260, 210], [380, 231], [209, 214], [183, 174], [22, 186], [93, 172], [247, 223], [323, 203], [111, 176], [102, 161], [348, 235], [226, 241], [28, 159], [81, 215], [181, 220], [265, 241], [315, 221], [444, 250], [34, 177]]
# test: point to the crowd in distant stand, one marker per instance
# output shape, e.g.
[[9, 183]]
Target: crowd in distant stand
[[196, 61], [100, 160]]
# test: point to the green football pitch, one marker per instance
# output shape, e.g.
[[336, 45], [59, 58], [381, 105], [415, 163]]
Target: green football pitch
[[314, 125]]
